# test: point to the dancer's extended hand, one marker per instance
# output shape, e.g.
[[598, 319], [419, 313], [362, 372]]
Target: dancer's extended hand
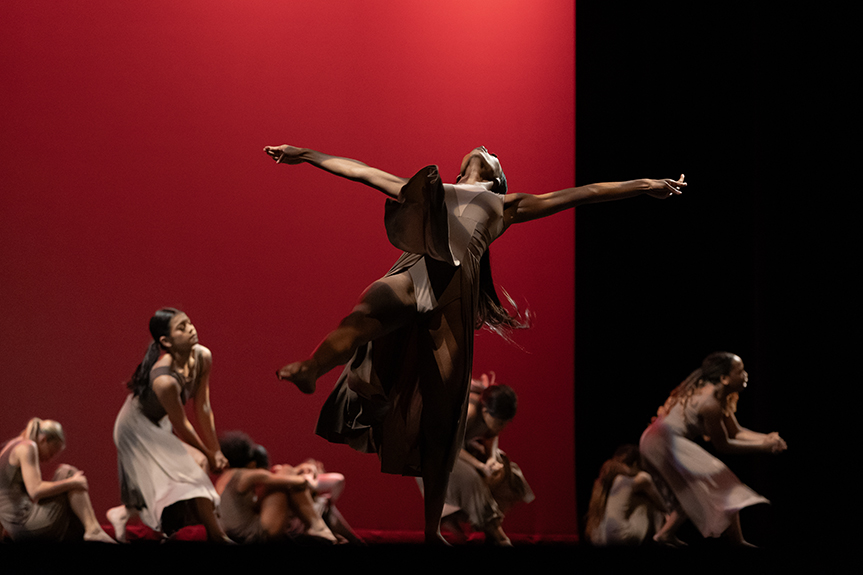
[[662, 189], [285, 154]]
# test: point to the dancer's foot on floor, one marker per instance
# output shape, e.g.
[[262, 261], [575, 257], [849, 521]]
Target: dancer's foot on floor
[[669, 540], [98, 535], [303, 374], [118, 516]]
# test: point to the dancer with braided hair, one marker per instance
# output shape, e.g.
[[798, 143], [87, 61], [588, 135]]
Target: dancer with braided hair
[[701, 487], [408, 342]]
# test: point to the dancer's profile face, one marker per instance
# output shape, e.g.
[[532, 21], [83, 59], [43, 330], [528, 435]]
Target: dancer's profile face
[[494, 424], [181, 333], [737, 378]]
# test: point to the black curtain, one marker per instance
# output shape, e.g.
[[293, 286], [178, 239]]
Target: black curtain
[[739, 263]]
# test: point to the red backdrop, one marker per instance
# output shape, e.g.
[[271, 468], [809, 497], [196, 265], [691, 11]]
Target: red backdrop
[[133, 178]]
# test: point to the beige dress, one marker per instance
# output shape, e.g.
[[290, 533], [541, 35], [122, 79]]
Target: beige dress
[[705, 489], [155, 467]]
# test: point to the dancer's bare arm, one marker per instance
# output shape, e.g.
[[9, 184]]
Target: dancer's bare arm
[[204, 412], [271, 481], [344, 167], [167, 390], [37, 488], [520, 208], [643, 483], [737, 431], [725, 442]]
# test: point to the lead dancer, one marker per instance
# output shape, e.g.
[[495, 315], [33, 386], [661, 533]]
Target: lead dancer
[[408, 342]]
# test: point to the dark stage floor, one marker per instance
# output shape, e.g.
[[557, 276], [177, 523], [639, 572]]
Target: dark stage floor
[[150, 557]]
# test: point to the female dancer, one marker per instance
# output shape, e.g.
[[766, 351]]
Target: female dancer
[[32, 509], [705, 490], [158, 471], [409, 341], [485, 483], [625, 506], [258, 504]]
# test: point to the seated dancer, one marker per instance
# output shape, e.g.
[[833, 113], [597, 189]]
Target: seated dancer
[[161, 479], [484, 483], [698, 486], [32, 509], [258, 505], [625, 507], [408, 342], [327, 487]]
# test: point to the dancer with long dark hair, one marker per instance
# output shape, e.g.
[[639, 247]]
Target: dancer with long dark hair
[[162, 478], [408, 342], [699, 487]]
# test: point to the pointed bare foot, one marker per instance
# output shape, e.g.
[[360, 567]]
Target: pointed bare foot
[[323, 532], [118, 516], [304, 374]]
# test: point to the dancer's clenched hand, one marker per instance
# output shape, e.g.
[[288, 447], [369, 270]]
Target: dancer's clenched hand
[[285, 154]]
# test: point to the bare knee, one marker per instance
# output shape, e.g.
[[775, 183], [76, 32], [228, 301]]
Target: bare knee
[[64, 471]]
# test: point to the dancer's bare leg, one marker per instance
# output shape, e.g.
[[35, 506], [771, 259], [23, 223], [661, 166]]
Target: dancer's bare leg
[[275, 513], [667, 535], [435, 481], [735, 534], [207, 514], [79, 501], [277, 508], [339, 526], [387, 304], [304, 506]]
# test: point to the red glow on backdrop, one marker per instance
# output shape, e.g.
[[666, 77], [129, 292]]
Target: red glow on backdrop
[[133, 177]]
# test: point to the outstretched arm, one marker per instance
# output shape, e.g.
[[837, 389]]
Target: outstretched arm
[[520, 208], [344, 167]]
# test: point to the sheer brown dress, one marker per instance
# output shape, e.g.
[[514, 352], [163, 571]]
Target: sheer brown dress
[[409, 388]]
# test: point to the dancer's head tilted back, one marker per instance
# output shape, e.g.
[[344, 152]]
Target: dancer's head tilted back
[[488, 167], [160, 329]]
